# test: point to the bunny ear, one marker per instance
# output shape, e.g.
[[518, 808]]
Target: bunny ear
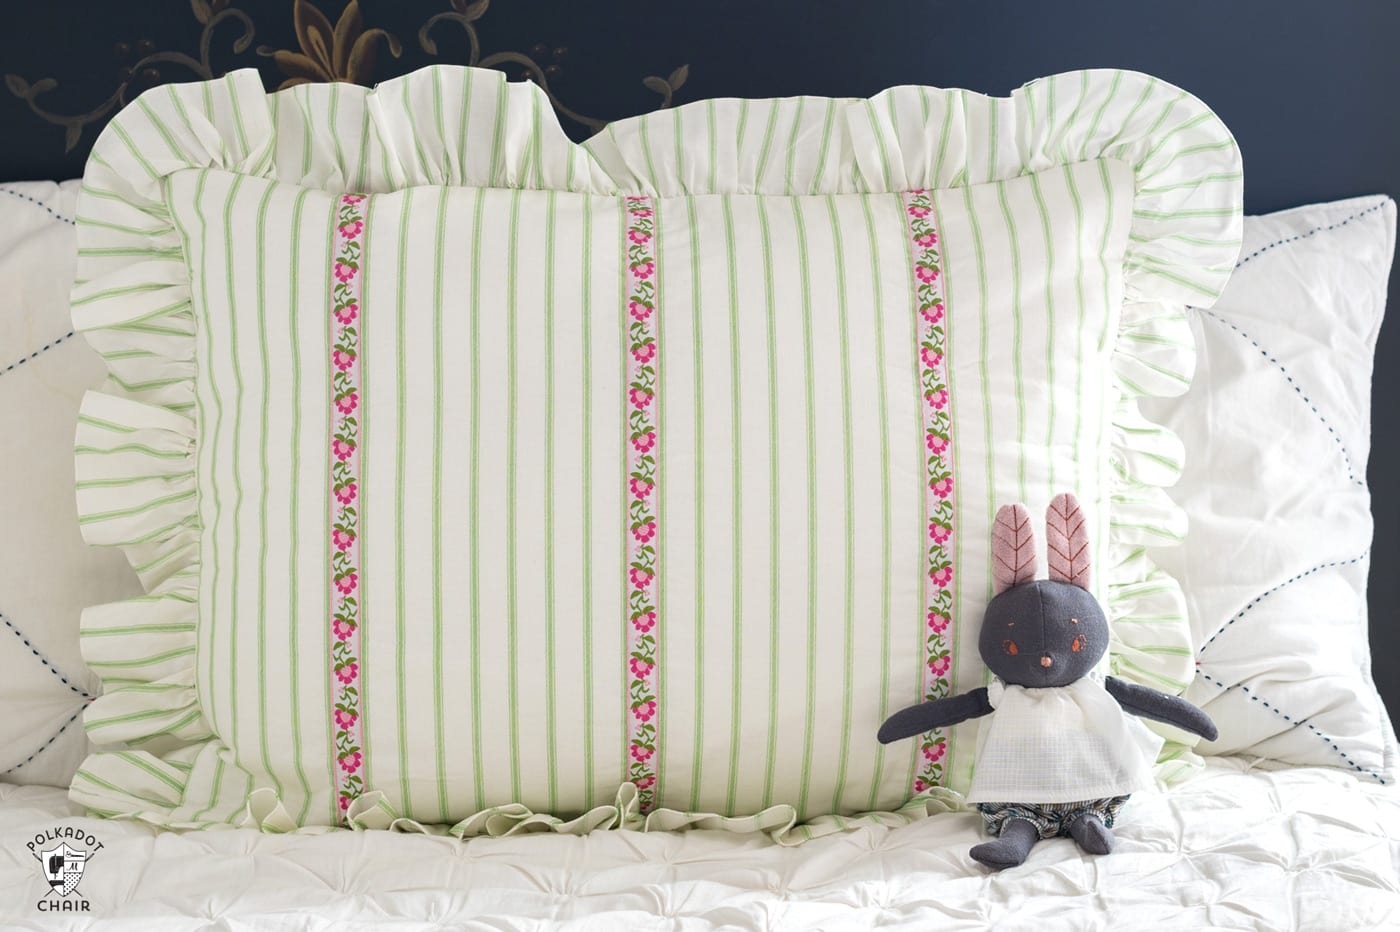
[[1013, 548], [1067, 541]]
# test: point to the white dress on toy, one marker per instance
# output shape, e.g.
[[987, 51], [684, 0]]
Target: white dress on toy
[[1060, 744]]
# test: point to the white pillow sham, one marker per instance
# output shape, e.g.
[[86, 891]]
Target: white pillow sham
[[1277, 430], [47, 573]]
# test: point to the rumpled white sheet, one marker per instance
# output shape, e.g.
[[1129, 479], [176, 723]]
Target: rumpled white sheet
[[1307, 849]]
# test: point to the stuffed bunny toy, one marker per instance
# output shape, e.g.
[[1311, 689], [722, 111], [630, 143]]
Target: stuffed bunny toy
[[1058, 733]]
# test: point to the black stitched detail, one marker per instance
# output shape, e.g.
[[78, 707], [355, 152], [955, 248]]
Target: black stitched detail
[[1351, 472], [1268, 592], [1313, 232], [42, 659], [43, 349], [45, 746], [25, 197], [1274, 709]]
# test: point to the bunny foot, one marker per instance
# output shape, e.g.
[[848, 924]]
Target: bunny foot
[[1017, 838], [1092, 836]]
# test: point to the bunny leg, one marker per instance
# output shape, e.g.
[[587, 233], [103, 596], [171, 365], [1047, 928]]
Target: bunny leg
[[1089, 832], [1012, 847]]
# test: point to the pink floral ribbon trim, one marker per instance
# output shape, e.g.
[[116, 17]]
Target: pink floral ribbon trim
[[641, 497], [926, 266], [344, 530]]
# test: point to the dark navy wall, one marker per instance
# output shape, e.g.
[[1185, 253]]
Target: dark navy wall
[[1311, 89]]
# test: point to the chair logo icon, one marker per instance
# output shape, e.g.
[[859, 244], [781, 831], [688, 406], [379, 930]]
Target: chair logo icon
[[63, 853]]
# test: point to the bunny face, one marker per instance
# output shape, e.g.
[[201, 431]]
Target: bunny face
[[1043, 633]]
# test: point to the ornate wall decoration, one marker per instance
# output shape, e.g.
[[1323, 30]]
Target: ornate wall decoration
[[341, 51], [465, 13], [145, 71]]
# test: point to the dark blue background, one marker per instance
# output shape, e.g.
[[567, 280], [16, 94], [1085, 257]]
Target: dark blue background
[[1310, 89]]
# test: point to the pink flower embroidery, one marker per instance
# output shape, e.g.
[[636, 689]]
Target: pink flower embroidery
[[344, 527], [641, 554], [937, 424]]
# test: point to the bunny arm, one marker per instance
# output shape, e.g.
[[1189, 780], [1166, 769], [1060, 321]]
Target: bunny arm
[[1160, 707], [940, 713]]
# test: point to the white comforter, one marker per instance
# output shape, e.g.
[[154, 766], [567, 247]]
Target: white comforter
[[1296, 849]]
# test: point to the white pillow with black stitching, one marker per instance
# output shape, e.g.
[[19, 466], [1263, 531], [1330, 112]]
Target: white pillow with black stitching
[[47, 573], [1277, 431]]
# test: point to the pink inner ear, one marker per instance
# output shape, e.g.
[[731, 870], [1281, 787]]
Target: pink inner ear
[[1013, 548], [1067, 541]]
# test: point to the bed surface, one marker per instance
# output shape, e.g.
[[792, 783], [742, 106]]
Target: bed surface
[[1235, 849]]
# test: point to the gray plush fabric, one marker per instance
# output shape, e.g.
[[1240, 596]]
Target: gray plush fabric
[[1043, 633]]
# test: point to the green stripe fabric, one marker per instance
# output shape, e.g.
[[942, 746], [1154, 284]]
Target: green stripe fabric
[[633, 532]]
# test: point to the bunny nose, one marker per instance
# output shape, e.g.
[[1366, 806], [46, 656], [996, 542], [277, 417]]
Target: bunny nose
[[1045, 660]]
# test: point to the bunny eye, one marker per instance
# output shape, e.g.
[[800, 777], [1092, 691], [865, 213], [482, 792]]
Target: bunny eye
[[1010, 647], [1079, 643], [1074, 621]]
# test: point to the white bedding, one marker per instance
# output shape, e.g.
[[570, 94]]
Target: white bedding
[[1308, 849]]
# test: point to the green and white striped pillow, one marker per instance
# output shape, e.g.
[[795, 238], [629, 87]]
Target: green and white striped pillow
[[488, 482]]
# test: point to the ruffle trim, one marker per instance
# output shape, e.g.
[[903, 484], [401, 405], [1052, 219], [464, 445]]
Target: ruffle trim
[[136, 438], [152, 790]]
